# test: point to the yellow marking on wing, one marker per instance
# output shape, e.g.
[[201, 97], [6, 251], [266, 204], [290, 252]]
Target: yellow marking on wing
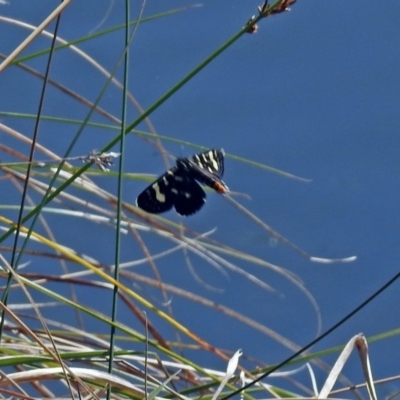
[[159, 196]]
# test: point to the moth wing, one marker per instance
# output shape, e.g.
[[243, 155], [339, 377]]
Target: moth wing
[[190, 197], [211, 161], [159, 196]]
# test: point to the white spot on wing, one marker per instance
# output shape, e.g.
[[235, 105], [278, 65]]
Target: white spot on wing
[[213, 160], [159, 196]]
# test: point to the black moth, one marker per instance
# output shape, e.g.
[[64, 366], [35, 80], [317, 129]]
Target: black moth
[[179, 186]]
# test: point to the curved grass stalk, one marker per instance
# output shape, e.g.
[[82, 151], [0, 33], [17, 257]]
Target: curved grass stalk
[[144, 115], [200, 251], [126, 329], [111, 281], [72, 43], [282, 239], [169, 139], [37, 31]]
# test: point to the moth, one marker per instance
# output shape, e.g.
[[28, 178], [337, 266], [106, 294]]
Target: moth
[[180, 186]]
